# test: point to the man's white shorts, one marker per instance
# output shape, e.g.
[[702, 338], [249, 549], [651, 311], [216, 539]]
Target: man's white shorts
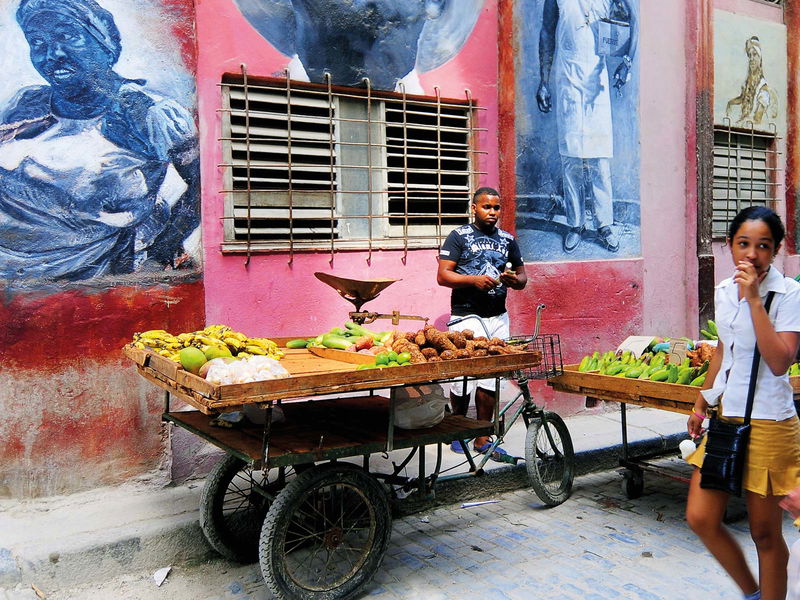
[[491, 327]]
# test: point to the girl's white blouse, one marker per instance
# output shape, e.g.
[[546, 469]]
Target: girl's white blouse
[[773, 397]]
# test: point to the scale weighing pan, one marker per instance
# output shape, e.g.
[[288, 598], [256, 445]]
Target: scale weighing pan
[[357, 291]]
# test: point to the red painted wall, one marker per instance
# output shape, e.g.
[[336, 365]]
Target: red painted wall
[[269, 296], [75, 412]]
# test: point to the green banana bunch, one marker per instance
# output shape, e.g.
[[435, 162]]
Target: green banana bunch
[[585, 363], [794, 370], [710, 332], [672, 376], [685, 375], [699, 380]]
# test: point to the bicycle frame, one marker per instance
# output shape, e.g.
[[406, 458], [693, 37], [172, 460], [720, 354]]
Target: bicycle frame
[[504, 419]]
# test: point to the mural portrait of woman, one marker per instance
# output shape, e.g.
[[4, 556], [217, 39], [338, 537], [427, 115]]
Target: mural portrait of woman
[[98, 172], [387, 41]]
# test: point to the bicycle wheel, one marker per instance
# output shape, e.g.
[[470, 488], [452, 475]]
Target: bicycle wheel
[[326, 534], [550, 458], [232, 511]]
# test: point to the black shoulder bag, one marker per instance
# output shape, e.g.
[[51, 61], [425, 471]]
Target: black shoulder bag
[[726, 443]]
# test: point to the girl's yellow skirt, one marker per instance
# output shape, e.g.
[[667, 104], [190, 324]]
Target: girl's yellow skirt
[[773, 456]]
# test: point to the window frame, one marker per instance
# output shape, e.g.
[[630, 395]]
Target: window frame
[[381, 234], [771, 181]]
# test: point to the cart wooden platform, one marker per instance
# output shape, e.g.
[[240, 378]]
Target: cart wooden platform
[[271, 498], [652, 394]]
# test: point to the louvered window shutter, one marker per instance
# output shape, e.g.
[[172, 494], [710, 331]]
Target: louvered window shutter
[[306, 168], [744, 174]]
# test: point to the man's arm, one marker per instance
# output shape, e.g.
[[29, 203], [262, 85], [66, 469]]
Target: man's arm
[[547, 50], [446, 276], [622, 74]]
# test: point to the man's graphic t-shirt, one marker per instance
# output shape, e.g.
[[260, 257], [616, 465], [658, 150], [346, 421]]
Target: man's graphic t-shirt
[[478, 253]]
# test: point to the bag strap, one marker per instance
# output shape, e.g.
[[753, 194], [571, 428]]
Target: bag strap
[[751, 390]]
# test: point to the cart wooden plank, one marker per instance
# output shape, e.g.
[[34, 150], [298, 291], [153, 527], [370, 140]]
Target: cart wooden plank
[[653, 394], [361, 426], [336, 379], [314, 375]]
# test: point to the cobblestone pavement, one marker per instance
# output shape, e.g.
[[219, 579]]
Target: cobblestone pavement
[[596, 546]]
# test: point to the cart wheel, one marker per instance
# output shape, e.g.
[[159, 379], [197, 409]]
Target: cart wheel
[[550, 458], [232, 510], [633, 483], [326, 534]]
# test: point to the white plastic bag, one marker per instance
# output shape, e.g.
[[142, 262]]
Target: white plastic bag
[[418, 407]]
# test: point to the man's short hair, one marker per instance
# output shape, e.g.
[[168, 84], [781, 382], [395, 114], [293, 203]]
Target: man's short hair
[[484, 191]]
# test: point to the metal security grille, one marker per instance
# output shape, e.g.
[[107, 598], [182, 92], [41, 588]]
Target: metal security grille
[[311, 167], [744, 174]]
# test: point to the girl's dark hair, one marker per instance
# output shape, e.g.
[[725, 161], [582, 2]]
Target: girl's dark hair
[[759, 213]]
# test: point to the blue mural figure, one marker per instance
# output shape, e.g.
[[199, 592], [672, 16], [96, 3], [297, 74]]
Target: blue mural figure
[[384, 40], [97, 175], [578, 43], [583, 106]]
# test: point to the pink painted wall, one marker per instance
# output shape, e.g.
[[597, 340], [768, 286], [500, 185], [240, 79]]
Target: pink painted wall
[[269, 296], [668, 216]]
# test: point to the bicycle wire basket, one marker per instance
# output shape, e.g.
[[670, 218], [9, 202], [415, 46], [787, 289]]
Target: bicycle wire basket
[[548, 347]]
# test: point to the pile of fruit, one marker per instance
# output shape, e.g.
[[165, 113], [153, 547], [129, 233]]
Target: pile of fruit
[[388, 359], [212, 342], [351, 337], [650, 366], [424, 345]]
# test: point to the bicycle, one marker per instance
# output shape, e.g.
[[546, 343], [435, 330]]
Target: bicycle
[[549, 453]]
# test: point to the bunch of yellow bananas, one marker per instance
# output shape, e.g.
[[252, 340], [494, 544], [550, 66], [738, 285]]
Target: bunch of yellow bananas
[[220, 337], [159, 341]]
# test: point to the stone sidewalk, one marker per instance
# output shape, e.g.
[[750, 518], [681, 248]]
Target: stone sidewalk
[[596, 546], [77, 539]]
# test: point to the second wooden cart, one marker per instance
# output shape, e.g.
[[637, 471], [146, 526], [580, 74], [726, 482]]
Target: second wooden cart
[[651, 394]]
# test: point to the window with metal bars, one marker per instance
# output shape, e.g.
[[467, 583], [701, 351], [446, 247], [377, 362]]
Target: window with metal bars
[[744, 174], [316, 167]]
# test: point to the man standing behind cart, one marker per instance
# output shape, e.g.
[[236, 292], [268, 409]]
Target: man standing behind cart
[[480, 262]]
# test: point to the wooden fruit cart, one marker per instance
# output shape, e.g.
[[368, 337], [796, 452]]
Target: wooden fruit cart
[[651, 394], [320, 527]]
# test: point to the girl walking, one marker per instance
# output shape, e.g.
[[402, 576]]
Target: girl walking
[[773, 458]]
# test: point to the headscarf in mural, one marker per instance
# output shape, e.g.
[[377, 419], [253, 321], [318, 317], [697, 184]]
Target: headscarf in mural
[[757, 99], [384, 40], [98, 175]]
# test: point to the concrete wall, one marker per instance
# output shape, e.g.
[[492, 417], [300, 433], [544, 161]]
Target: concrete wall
[[99, 208]]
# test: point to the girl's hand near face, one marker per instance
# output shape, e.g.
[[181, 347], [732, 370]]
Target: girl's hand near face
[[748, 280]]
